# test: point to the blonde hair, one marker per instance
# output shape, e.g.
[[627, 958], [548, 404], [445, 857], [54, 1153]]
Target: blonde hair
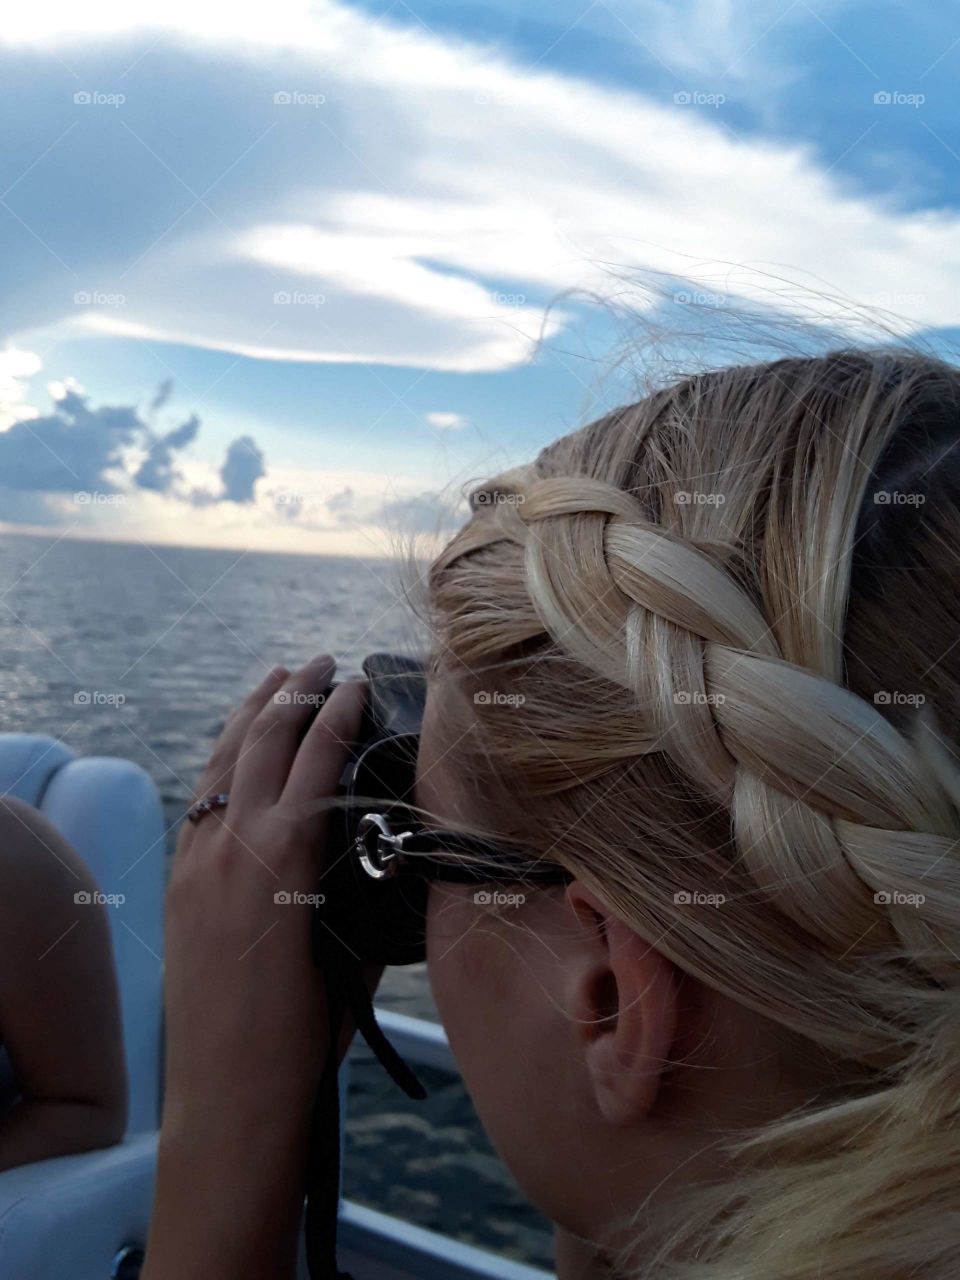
[[728, 617]]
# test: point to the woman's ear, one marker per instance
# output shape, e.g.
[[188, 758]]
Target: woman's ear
[[623, 995]]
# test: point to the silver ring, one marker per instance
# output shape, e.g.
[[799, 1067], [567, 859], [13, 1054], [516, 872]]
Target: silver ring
[[219, 801]]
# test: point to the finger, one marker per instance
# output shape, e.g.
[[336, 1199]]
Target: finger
[[325, 749], [217, 775], [218, 772], [256, 698], [274, 733], [241, 715]]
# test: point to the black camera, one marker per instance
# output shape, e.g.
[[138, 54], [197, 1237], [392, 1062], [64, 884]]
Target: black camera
[[381, 855], [379, 918]]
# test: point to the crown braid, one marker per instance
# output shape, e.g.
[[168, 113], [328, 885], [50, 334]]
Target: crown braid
[[627, 600], [706, 700]]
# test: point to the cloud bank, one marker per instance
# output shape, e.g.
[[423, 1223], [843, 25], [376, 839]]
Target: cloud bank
[[366, 193]]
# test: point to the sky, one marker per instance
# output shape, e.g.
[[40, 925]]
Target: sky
[[293, 276]]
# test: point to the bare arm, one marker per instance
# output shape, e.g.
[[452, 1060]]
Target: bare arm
[[59, 1005]]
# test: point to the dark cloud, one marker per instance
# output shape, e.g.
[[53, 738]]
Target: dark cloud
[[157, 471], [67, 450], [163, 394], [78, 449], [20, 506], [341, 502], [242, 468]]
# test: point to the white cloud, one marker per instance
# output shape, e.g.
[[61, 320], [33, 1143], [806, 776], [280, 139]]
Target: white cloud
[[16, 369], [59, 387], [447, 421], [457, 186]]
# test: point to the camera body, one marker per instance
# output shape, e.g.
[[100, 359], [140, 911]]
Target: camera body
[[377, 921]]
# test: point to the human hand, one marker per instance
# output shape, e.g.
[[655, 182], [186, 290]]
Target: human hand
[[245, 1018]]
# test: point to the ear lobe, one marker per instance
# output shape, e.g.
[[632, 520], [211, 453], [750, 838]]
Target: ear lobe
[[624, 1000]]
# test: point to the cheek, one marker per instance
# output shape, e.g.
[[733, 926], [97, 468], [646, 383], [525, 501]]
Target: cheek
[[506, 1032], [464, 962], [473, 975]]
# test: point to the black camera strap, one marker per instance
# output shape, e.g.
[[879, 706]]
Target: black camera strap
[[346, 991]]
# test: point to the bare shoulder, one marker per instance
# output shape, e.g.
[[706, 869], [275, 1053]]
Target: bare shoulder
[[16, 815], [36, 861], [59, 1005]]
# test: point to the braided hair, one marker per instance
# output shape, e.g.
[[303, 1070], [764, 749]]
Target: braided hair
[[729, 619]]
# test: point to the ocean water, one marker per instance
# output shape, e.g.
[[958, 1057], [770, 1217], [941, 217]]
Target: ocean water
[[140, 652], [162, 641]]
